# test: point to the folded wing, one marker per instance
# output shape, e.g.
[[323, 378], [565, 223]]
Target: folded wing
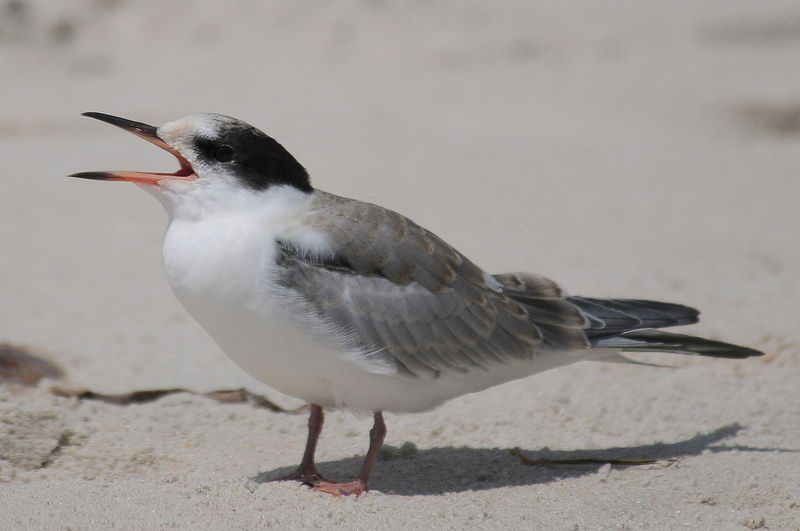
[[402, 294]]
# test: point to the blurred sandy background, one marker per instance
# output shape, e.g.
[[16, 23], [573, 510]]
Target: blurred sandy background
[[623, 148]]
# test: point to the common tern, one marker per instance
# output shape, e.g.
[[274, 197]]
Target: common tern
[[346, 304]]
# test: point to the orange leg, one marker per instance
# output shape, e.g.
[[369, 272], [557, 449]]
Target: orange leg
[[307, 471], [359, 485]]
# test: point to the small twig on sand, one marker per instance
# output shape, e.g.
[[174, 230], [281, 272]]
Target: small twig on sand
[[590, 460], [225, 396]]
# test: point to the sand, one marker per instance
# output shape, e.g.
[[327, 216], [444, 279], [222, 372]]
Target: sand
[[630, 149]]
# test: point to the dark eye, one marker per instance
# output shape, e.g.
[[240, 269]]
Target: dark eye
[[224, 153]]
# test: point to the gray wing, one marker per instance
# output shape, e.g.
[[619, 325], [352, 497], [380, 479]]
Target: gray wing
[[403, 294]]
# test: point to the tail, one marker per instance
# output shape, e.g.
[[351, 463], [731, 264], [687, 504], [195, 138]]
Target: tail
[[629, 325]]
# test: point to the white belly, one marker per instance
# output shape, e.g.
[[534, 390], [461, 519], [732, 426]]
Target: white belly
[[222, 272]]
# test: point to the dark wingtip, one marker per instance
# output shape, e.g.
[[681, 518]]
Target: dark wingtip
[[93, 175], [658, 340], [745, 352], [755, 353], [727, 350]]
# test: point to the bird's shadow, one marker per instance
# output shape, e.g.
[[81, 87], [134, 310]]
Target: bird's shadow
[[449, 469]]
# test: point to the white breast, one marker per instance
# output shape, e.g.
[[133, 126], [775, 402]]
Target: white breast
[[222, 268]]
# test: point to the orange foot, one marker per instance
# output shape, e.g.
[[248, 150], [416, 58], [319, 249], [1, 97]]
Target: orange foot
[[356, 487]]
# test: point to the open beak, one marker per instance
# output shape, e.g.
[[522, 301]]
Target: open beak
[[147, 132]]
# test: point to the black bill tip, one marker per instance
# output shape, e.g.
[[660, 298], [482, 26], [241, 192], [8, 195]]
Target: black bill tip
[[129, 125], [93, 175]]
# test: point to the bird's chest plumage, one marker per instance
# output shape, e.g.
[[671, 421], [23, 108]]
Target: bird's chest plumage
[[225, 274], [220, 260]]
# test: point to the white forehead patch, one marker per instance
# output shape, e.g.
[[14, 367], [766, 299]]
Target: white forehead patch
[[204, 125]]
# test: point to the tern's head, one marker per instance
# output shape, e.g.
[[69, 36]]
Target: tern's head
[[219, 157]]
